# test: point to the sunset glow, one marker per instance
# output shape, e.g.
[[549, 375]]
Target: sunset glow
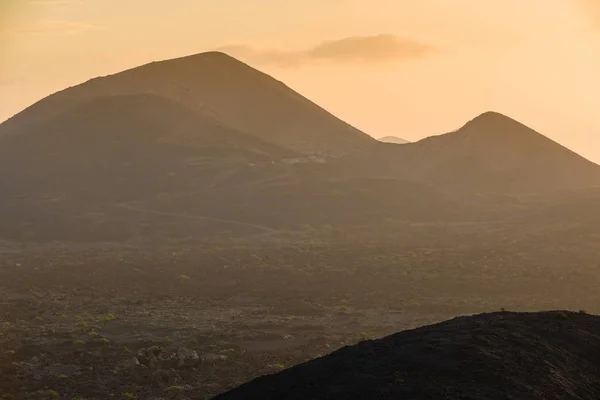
[[403, 68]]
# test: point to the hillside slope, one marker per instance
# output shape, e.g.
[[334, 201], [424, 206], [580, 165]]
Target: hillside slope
[[115, 136], [65, 176], [142, 166], [205, 144], [494, 153], [216, 85], [550, 355]]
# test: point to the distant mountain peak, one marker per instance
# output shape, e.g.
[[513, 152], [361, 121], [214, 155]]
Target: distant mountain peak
[[393, 139], [492, 114]]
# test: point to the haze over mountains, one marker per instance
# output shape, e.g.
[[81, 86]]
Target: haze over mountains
[[209, 137], [242, 230], [393, 139], [217, 86], [495, 153]]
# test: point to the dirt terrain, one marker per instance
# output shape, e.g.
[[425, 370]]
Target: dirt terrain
[[74, 316]]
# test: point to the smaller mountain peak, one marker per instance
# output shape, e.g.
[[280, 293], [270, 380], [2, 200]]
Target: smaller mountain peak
[[491, 116], [492, 120]]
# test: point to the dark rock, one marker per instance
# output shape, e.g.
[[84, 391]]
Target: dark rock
[[187, 358], [131, 363], [152, 362], [550, 356], [61, 369], [168, 360], [166, 377], [211, 357], [149, 355]]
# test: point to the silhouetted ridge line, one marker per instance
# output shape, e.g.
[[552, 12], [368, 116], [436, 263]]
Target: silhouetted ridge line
[[549, 355], [217, 85]]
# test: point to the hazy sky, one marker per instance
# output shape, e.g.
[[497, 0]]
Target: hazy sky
[[404, 67]]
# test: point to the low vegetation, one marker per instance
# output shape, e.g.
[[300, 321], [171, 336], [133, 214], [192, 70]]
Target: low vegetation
[[255, 309]]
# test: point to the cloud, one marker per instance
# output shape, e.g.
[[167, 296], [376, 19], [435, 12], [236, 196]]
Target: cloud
[[55, 27], [370, 48], [356, 49]]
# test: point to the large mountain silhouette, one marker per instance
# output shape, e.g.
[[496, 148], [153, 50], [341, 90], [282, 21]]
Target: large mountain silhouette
[[216, 85], [205, 144], [122, 166]]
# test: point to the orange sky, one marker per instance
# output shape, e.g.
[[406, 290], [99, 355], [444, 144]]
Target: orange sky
[[406, 68]]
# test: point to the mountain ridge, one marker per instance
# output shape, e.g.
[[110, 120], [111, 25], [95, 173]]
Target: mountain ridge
[[189, 136], [493, 149], [222, 87]]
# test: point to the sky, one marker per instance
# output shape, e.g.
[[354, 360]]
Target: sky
[[388, 67]]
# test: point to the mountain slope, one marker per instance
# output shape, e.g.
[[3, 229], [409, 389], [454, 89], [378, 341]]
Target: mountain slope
[[551, 355], [495, 153], [205, 144], [60, 172], [216, 85], [141, 166]]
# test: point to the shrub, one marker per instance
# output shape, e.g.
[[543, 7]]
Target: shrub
[[278, 367], [364, 336], [109, 318]]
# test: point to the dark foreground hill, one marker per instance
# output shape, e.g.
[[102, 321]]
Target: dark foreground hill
[[549, 355]]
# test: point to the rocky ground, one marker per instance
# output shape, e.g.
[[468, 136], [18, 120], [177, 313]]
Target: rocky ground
[[191, 321]]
